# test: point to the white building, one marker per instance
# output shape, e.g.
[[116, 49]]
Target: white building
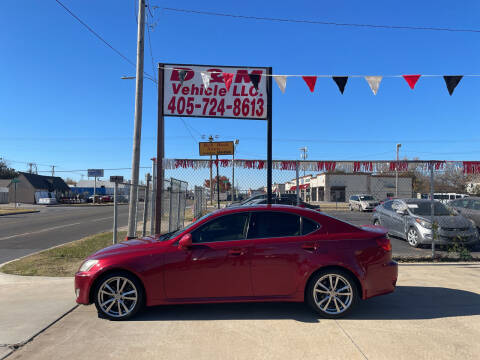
[[339, 187]]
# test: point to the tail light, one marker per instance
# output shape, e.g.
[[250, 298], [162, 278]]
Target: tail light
[[384, 243]]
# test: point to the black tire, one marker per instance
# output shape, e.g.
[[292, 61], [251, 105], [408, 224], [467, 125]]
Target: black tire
[[316, 300], [131, 284], [351, 207]]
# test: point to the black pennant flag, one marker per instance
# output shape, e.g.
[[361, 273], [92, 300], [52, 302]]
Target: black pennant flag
[[181, 75], [341, 82], [255, 79], [452, 82]]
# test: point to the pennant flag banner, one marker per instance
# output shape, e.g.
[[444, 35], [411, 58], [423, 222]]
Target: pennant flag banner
[[206, 77], [310, 81], [341, 81], [471, 167], [452, 82], [227, 79], [255, 79], [374, 83], [411, 80], [281, 81]]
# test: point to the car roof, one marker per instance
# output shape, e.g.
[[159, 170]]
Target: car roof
[[259, 207]]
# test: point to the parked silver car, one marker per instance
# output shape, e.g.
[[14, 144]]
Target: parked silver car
[[362, 202], [468, 207], [410, 219]]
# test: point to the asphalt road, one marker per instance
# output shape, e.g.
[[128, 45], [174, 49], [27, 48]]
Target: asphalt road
[[399, 246], [24, 234]]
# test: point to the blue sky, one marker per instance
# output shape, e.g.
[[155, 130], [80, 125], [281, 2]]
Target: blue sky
[[63, 103]]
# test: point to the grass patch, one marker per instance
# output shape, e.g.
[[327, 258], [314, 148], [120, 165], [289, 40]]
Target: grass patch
[[15, 211], [61, 261]]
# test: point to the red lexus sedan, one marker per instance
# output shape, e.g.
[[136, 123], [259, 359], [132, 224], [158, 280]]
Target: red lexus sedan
[[243, 254]]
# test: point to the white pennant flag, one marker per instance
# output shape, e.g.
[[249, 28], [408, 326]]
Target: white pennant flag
[[374, 82], [206, 77], [281, 81]]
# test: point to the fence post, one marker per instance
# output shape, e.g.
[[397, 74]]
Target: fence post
[[432, 209], [297, 188], [115, 212], [136, 210], [152, 205], [179, 205], [170, 223], [145, 207]]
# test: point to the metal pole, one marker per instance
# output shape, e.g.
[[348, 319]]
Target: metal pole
[[94, 190], [211, 183], [145, 207], [160, 172], [15, 195], [297, 187], [396, 172], [137, 133], [432, 209], [152, 206], [136, 214], [269, 136], [233, 173], [218, 186], [115, 213]]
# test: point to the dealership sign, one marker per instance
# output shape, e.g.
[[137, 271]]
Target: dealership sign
[[216, 148], [215, 91], [95, 172]]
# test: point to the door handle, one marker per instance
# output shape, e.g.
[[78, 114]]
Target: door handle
[[309, 246], [236, 251]]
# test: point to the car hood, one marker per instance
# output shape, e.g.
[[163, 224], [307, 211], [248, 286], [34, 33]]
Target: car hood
[[448, 221], [129, 246]]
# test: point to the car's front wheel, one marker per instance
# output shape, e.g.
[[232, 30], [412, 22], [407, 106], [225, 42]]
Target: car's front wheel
[[118, 296], [413, 237], [332, 293]]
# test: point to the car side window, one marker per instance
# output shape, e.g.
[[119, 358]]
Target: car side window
[[474, 204], [309, 226], [388, 205], [266, 224], [225, 228]]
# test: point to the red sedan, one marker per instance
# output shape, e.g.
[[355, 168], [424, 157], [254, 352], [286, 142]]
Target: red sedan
[[243, 254]]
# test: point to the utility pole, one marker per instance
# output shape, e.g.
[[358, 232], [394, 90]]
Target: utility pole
[[154, 196], [304, 156], [211, 138], [137, 132], [396, 171]]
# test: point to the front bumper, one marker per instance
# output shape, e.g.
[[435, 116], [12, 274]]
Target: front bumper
[[442, 237], [83, 284]]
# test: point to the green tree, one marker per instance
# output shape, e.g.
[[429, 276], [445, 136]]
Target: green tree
[[7, 172]]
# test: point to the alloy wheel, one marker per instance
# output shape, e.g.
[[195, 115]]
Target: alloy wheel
[[117, 297], [333, 294], [412, 237]]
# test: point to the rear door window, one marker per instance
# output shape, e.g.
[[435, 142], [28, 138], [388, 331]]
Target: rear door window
[[388, 205], [309, 226], [265, 224]]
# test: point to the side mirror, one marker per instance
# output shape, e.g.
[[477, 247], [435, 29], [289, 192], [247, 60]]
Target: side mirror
[[185, 242]]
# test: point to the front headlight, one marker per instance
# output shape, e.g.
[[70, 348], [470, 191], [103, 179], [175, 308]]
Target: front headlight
[[87, 265], [423, 223]]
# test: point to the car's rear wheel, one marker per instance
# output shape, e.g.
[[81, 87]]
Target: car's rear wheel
[[412, 237], [332, 293], [118, 296]]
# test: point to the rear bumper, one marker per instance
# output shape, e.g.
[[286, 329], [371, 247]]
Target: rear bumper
[[381, 280], [83, 283]]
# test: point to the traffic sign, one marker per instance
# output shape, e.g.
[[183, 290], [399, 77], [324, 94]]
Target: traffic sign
[[116, 179]]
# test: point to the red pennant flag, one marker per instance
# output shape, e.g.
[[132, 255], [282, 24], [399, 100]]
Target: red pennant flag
[[310, 80], [227, 79], [411, 80]]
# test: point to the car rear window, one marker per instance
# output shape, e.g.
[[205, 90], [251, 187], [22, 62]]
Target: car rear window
[[267, 224], [309, 226]]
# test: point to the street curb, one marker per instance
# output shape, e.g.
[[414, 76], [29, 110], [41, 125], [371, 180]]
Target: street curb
[[20, 213], [15, 347]]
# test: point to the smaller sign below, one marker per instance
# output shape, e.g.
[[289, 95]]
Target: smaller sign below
[[116, 179], [216, 148], [95, 172]]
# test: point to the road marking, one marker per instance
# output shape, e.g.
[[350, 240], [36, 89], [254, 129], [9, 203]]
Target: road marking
[[39, 231], [109, 218]]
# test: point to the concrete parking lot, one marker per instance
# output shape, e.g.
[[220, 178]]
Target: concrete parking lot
[[434, 314]]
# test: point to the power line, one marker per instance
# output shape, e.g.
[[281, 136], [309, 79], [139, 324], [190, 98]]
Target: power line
[[318, 22], [105, 42]]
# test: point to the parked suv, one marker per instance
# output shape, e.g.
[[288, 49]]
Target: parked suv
[[362, 202], [411, 219]]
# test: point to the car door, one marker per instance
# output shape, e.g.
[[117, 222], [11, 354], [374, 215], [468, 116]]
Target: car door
[[217, 265], [473, 211], [279, 249], [397, 225], [384, 213]]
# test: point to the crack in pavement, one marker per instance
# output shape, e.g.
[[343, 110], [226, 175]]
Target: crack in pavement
[[353, 342]]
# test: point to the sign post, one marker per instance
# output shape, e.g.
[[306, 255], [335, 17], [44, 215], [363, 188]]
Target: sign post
[[116, 180], [15, 181], [234, 92], [95, 173]]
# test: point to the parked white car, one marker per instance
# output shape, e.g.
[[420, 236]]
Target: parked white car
[[362, 202], [47, 201]]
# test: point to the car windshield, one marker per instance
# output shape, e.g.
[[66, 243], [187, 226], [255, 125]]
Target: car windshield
[[424, 209], [173, 234], [366, 198]]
